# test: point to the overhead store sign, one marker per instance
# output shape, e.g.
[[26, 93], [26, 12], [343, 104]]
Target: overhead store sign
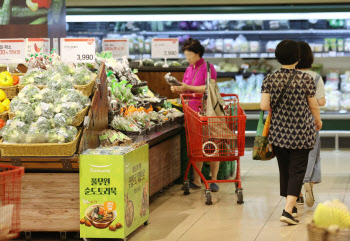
[[118, 47], [78, 50], [12, 51], [37, 46], [165, 48]]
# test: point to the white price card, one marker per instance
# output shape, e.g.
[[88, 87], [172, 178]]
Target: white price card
[[118, 47], [271, 55], [165, 48], [264, 55], [78, 50], [37, 46], [12, 51], [230, 55]]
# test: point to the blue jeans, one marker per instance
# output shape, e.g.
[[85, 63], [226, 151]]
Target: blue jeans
[[313, 172]]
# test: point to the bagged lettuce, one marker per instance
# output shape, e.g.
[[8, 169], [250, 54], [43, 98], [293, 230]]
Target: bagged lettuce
[[71, 109], [14, 131], [48, 95]]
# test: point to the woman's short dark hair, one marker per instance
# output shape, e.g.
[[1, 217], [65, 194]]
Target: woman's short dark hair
[[194, 46], [287, 52], [306, 56]]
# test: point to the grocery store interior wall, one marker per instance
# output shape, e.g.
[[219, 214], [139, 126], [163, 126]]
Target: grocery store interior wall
[[93, 3]]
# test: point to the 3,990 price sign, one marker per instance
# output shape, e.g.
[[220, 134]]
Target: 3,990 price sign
[[78, 50], [165, 48]]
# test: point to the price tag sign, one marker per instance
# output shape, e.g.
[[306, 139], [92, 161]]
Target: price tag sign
[[254, 55], [165, 48], [12, 51], [118, 47], [78, 50], [244, 56], [332, 54], [37, 46], [264, 55], [271, 55], [318, 55], [230, 55]]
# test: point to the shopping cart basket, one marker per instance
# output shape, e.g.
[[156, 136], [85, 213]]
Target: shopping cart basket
[[219, 138], [10, 198]]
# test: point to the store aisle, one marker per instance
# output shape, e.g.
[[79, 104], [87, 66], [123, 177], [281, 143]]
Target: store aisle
[[186, 218], [174, 217]]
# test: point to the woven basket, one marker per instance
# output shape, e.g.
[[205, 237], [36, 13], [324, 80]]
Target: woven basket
[[79, 118], [11, 115], [20, 87], [321, 234], [86, 89], [40, 149], [10, 91], [4, 116]]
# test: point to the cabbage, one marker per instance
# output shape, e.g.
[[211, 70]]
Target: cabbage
[[73, 95]]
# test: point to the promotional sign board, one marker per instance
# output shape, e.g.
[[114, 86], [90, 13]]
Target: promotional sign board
[[114, 194]]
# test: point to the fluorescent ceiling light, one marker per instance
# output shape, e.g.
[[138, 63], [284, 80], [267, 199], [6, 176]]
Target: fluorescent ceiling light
[[206, 17]]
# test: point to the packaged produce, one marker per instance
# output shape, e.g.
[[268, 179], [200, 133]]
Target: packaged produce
[[254, 46], [332, 213], [171, 80]]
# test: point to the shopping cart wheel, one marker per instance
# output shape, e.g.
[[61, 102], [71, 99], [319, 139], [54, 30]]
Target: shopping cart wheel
[[28, 235], [186, 188], [208, 197], [236, 183], [240, 196], [63, 235]]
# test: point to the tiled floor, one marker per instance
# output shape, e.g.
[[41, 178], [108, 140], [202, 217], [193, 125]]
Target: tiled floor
[[175, 217], [186, 218]]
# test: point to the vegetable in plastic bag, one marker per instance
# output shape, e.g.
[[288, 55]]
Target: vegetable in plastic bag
[[17, 102], [82, 77], [73, 95], [171, 80], [44, 110], [30, 92], [14, 131], [56, 136], [37, 132], [58, 82], [25, 113], [48, 95], [71, 109], [61, 120]]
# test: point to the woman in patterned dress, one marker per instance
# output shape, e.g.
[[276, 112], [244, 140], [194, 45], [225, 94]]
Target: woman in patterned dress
[[295, 119]]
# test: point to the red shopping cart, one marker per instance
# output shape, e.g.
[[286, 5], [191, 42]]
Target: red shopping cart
[[10, 198], [219, 138]]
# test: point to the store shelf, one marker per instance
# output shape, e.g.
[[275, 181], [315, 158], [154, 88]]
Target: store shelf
[[249, 55]]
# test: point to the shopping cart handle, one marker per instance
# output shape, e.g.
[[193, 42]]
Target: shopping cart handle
[[196, 95]]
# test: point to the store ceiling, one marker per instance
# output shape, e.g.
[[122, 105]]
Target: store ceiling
[[94, 3]]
